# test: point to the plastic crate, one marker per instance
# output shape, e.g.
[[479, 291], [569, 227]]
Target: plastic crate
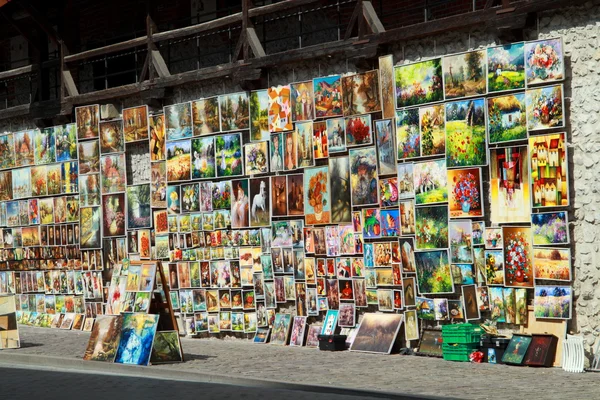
[[461, 333], [458, 352]]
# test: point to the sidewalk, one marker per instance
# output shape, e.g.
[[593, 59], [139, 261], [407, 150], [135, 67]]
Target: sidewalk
[[247, 364]]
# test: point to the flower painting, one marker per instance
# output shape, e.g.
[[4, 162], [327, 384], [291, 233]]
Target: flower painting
[[221, 195], [552, 264], [113, 173], [205, 116], [506, 67], [178, 121], [113, 215], [364, 182], [45, 146], [553, 302], [304, 144], [431, 227], [328, 96], [433, 272], [550, 228], [464, 74], [336, 135], [418, 83], [228, 150], [358, 130], [111, 137], [24, 148], [173, 199], [430, 182], [360, 93], [234, 110], [7, 151], [256, 157], [408, 136], [494, 267], [139, 213], [87, 119], [465, 192], [507, 120], [135, 124], [280, 109], [179, 160], [518, 271], [432, 126], [317, 203], [203, 158], [509, 185], [465, 133], [386, 148], [544, 61], [39, 181], [545, 107], [548, 165]]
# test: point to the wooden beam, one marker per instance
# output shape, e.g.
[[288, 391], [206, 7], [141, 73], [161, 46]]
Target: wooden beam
[[159, 64], [16, 72], [371, 17], [357, 11], [16, 111], [156, 62], [254, 43]]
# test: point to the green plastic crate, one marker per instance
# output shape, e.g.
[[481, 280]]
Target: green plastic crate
[[458, 352], [461, 333]]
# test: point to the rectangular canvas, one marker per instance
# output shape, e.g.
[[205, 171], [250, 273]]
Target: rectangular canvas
[[158, 151], [228, 150], [377, 333], [418, 83], [545, 107], [507, 118], [339, 182], [259, 115], [137, 336], [358, 130], [544, 61], [9, 329], [203, 158], [113, 173], [166, 348], [111, 137], [408, 135], [461, 241], [280, 108], [328, 96], [433, 272], [494, 267], [386, 80], [87, 119], [469, 296], [205, 116], [281, 329], [550, 228], [317, 204], [178, 121], [104, 339], [466, 133], [516, 350], [548, 170], [464, 74], [361, 93], [302, 101], [509, 185], [336, 134], [24, 148], [364, 181], [304, 144], [386, 147], [431, 227], [256, 157], [551, 263], [430, 182], [518, 252], [179, 160], [465, 190], [432, 127], [552, 302], [135, 124], [506, 67]]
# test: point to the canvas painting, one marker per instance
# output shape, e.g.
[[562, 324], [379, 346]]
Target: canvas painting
[[469, 296], [339, 182], [330, 322], [358, 130], [465, 133], [377, 333], [89, 157], [552, 264], [205, 116], [464, 74], [418, 83], [302, 97], [135, 124], [548, 166], [256, 158], [551, 228], [279, 196], [320, 140], [259, 115], [104, 339], [432, 127], [408, 135], [178, 121], [545, 107], [384, 134], [407, 217], [44, 146], [433, 272], [509, 185], [312, 338], [425, 308], [111, 137], [361, 93], [137, 336], [166, 348], [317, 203], [260, 208], [39, 181], [7, 151], [386, 80], [544, 61], [506, 67], [406, 181], [24, 148], [87, 119], [113, 211], [494, 267], [552, 302], [228, 149], [430, 182], [179, 160], [461, 242], [411, 325], [336, 134], [518, 270], [203, 158], [364, 182], [388, 192], [139, 213], [235, 113], [280, 109], [90, 227], [328, 96], [21, 183], [304, 144], [158, 150], [465, 191], [507, 118], [158, 186], [281, 329], [516, 350], [113, 173]]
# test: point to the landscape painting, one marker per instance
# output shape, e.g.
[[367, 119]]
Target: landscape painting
[[24, 148], [280, 109], [386, 148], [228, 150], [205, 116], [418, 83], [178, 121], [431, 227], [430, 182], [386, 80], [259, 115], [111, 137], [552, 264], [465, 133], [432, 126], [360, 93], [203, 158], [235, 113], [506, 67], [507, 119], [553, 302], [135, 123], [408, 135], [433, 272], [551, 228], [179, 160], [464, 74]]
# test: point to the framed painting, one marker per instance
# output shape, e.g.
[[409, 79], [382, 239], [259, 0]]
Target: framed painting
[[552, 302], [509, 185], [336, 135], [494, 267], [464, 74], [517, 349], [330, 322], [461, 242], [89, 157], [545, 107], [260, 209], [302, 97], [279, 196], [139, 329], [440, 309], [320, 140], [113, 211], [259, 115], [317, 204], [113, 173], [234, 110], [550, 228], [407, 217], [158, 150], [203, 158], [432, 128], [465, 190], [45, 146], [104, 339], [262, 335], [408, 136], [388, 192], [407, 254], [541, 351], [431, 343], [507, 118], [418, 83], [433, 272], [179, 160], [386, 80], [406, 181], [552, 264], [304, 144], [493, 238], [371, 226], [377, 333], [339, 182], [90, 227], [469, 296], [505, 67], [240, 207], [158, 186], [281, 329], [166, 348], [328, 96], [549, 170], [312, 339], [360, 93], [290, 161], [386, 148], [358, 130], [136, 124], [7, 151], [411, 325], [256, 155], [390, 223], [228, 149], [466, 133], [21, 183], [39, 181], [544, 61], [111, 137], [518, 271], [280, 109], [347, 315], [276, 152], [139, 213], [364, 180], [178, 121], [87, 119], [430, 182], [206, 118], [24, 148]]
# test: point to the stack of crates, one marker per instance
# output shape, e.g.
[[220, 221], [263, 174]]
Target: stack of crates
[[459, 341]]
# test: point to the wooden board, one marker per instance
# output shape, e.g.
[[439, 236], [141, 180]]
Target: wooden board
[[557, 327]]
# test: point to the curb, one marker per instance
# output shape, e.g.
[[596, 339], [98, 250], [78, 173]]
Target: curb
[[64, 364]]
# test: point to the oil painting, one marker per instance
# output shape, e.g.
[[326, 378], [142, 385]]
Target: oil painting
[[386, 80], [550, 263], [408, 135], [360, 93], [302, 97], [178, 121], [205, 116], [280, 109], [465, 192], [432, 127], [234, 110], [135, 124], [418, 83], [203, 158], [507, 118], [506, 67], [317, 203], [386, 148], [518, 271], [433, 272], [328, 96], [509, 185], [550, 228], [259, 115], [465, 133], [430, 182], [364, 181], [544, 61], [464, 74], [552, 302], [548, 166], [228, 150], [431, 227], [87, 119], [544, 107]]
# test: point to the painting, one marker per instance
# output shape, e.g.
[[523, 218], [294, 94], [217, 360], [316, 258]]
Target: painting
[[364, 180], [280, 109], [290, 161], [158, 150], [240, 211], [260, 208], [281, 329], [90, 227], [542, 351], [256, 155], [203, 158], [433, 272], [179, 160], [21, 183], [516, 349], [312, 339], [304, 144], [295, 194], [494, 267], [339, 182], [178, 121], [371, 218], [113, 173], [386, 148], [137, 336], [411, 325], [328, 96], [320, 141], [388, 192], [544, 61], [276, 152], [406, 181], [425, 308], [466, 190], [135, 124], [390, 223], [87, 119], [205, 116], [360, 93], [317, 203], [544, 107], [228, 150], [518, 271], [104, 339], [552, 264], [408, 136], [461, 242], [430, 182], [259, 115], [507, 118], [464, 74], [113, 212], [6, 189], [506, 67], [24, 153], [336, 134], [44, 143], [418, 83], [166, 348], [407, 217], [39, 181], [261, 335], [302, 97], [407, 255], [279, 196], [377, 333], [548, 166], [386, 79], [550, 228], [89, 157], [111, 137], [139, 213], [465, 133], [432, 128], [552, 302], [7, 151], [509, 185], [158, 185], [235, 113], [298, 329], [469, 296], [358, 130]]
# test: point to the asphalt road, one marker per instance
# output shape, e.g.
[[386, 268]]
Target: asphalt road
[[16, 383]]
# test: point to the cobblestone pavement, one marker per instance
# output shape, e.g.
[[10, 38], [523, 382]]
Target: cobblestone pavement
[[236, 359]]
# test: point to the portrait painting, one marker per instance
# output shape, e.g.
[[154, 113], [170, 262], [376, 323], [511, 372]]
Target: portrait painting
[[302, 97]]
